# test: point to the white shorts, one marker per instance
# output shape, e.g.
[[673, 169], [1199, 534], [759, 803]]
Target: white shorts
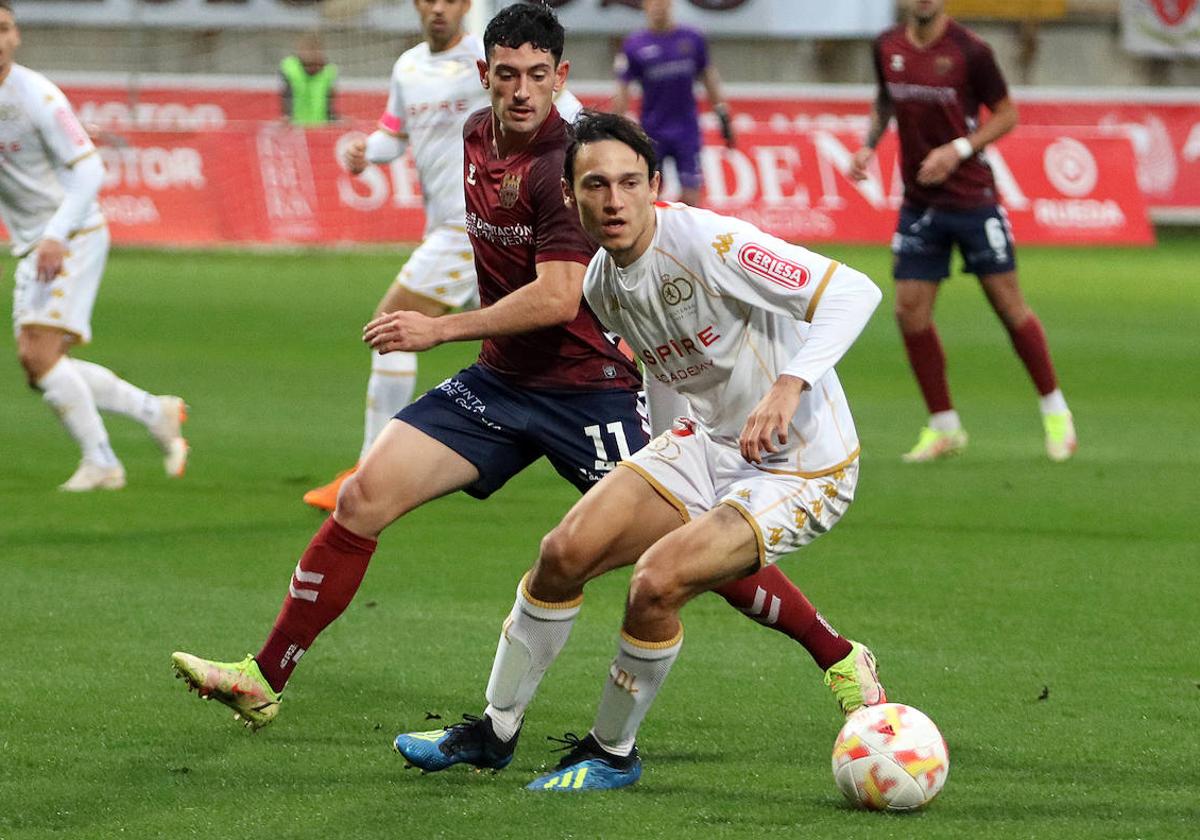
[[786, 510], [66, 302], [442, 268]]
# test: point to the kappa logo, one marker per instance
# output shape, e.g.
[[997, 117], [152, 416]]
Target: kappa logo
[[898, 62], [471, 174], [676, 290], [943, 64], [510, 189], [768, 264]]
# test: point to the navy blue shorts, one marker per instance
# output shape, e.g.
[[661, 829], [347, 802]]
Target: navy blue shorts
[[501, 429], [925, 237], [685, 151]]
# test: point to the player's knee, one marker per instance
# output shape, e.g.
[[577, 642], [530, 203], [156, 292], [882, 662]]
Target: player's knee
[[654, 589], [360, 509], [563, 559], [34, 361], [912, 316]]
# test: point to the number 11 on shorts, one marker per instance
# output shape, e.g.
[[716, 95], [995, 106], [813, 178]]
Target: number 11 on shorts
[[605, 460]]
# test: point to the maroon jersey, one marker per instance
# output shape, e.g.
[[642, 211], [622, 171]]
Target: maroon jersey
[[516, 219], [936, 92]]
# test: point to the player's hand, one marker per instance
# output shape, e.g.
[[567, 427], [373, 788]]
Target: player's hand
[[722, 112], [859, 163], [50, 256], [354, 155], [403, 330], [769, 421], [938, 165]]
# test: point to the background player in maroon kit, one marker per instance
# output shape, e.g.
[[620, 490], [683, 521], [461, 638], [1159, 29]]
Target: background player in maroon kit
[[933, 76], [548, 382]]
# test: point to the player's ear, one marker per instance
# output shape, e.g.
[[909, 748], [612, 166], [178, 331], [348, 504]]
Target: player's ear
[[655, 185], [568, 192], [560, 75], [482, 66]]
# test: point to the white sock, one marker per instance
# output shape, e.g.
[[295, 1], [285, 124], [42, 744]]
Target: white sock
[[945, 421], [390, 388], [112, 393], [534, 633], [68, 394], [634, 679], [1054, 402]]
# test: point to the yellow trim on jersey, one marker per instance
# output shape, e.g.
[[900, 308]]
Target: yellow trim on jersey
[[83, 231], [758, 534], [818, 473], [812, 304], [660, 489], [396, 373], [83, 156], [644, 645], [548, 605]]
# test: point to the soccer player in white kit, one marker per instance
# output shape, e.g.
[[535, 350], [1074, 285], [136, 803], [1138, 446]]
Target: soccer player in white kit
[[747, 329], [50, 176], [434, 88]]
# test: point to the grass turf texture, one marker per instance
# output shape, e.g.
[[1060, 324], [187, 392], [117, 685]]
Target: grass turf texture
[[983, 584]]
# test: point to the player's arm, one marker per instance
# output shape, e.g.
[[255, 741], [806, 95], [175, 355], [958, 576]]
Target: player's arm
[[81, 184], [836, 300], [882, 111], [626, 74], [387, 142], [80, 174], [551, 300], [712, 86]]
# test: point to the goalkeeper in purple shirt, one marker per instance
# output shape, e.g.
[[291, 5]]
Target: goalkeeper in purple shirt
[[665, 60]]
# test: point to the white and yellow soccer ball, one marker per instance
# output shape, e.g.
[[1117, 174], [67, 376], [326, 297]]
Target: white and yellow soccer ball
[[890, 757]]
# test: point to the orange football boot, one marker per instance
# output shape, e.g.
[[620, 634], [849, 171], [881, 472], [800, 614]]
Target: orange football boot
[[325, 497]]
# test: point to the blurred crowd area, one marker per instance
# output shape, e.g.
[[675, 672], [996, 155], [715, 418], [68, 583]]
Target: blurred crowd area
[[1038, 42]]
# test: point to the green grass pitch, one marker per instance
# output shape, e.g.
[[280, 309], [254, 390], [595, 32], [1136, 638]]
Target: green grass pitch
[[1046, 616]]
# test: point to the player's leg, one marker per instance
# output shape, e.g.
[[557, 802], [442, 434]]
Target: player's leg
[[609, 527], [687, 164], [42, 352], [993, 260], [162, 416], [437, 445], [720, 546], [49, 319], [439, 276], [921, 248]]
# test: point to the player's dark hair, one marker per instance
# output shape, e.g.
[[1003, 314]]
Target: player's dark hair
[[525, 23], [593, 126], [6, 5]]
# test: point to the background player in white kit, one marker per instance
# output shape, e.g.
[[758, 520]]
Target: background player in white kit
[[747, 328], [434, 88], [50, 175]]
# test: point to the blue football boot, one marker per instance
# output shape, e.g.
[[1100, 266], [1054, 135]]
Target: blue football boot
[[470, 742], [588, 766]]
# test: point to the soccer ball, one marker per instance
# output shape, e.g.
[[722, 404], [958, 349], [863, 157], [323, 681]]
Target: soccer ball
[[890, 757]]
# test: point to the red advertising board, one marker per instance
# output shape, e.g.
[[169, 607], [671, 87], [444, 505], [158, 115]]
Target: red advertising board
[[200, 166]]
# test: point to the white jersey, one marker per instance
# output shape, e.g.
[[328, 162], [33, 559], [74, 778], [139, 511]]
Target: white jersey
[[39, 137], [716, 310], [429, 99]]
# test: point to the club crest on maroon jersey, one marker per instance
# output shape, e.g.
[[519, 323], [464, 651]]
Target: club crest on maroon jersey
[[510, 189]]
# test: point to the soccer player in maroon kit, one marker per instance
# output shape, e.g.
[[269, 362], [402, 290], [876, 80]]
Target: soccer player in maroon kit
[[549, 382], [933, 76]]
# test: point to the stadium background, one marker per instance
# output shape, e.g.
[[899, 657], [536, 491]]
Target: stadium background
[[1043, 614]]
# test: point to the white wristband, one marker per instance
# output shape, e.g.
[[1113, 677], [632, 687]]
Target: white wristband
[[964, 148]]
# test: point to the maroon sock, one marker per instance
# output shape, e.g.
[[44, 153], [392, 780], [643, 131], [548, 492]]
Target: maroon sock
[[322, 586], [928, 364], [1029, 340], [769, 598]]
